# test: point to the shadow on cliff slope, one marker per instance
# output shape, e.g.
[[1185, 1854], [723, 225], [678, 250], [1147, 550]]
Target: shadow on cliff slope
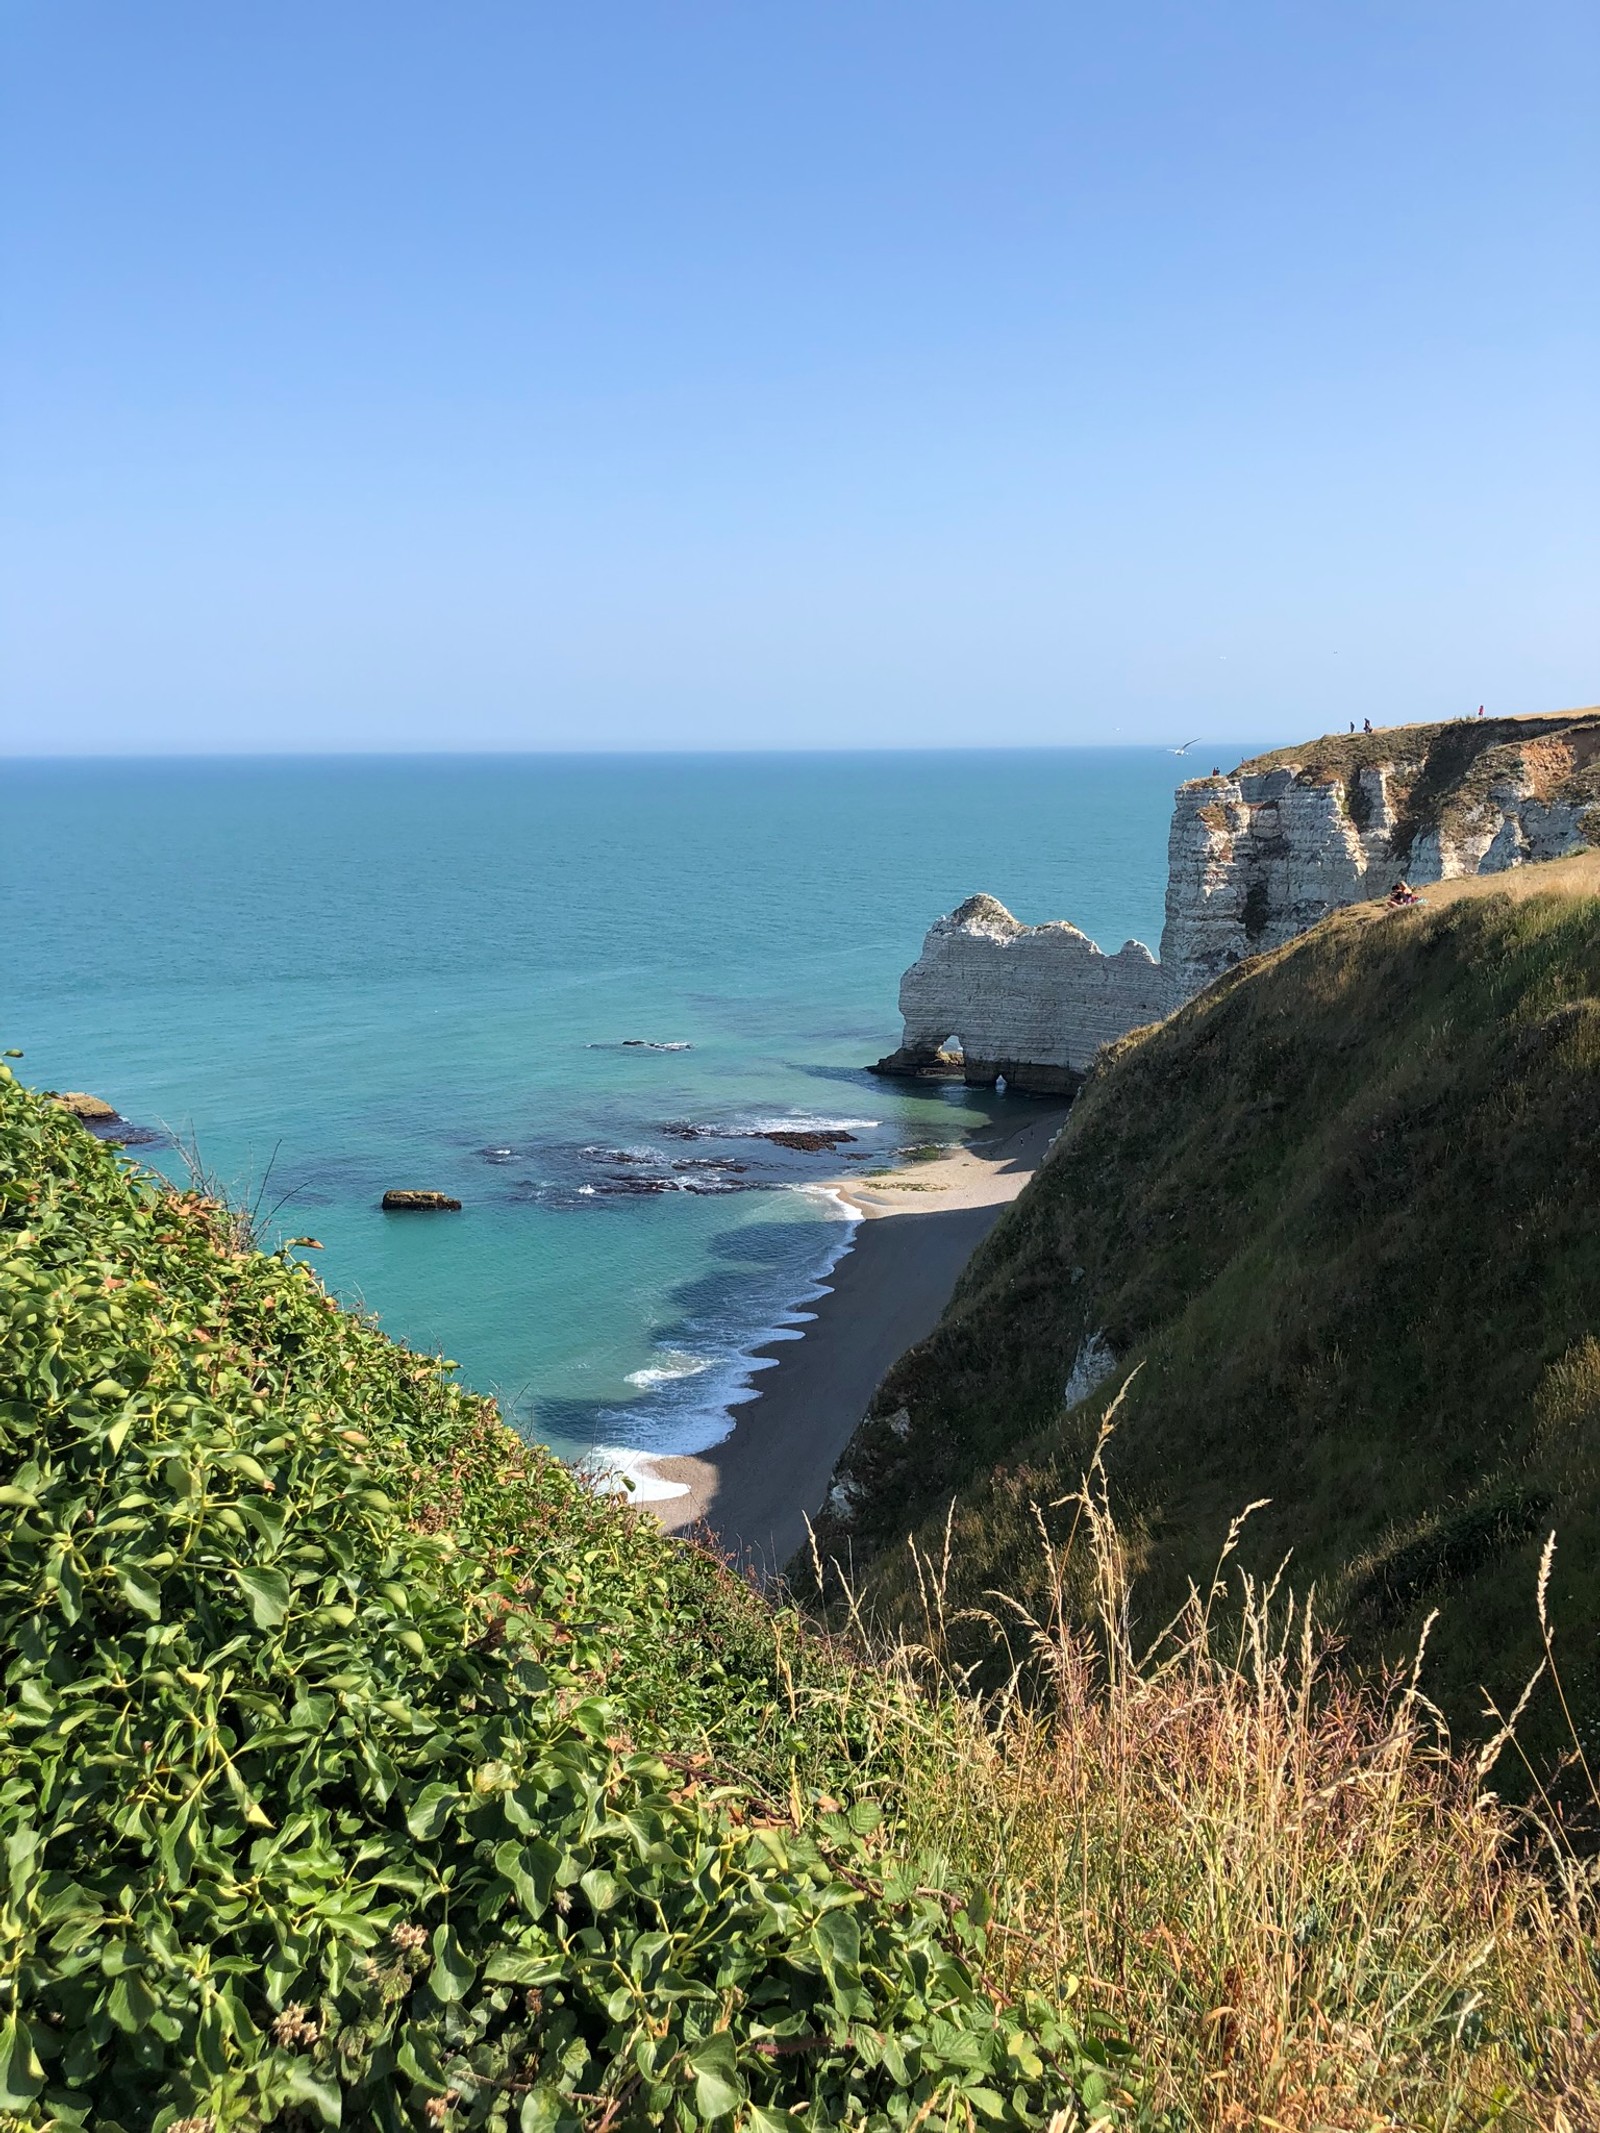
[[1341, 1209]]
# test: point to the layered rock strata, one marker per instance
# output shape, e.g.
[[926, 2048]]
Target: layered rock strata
[[1027, 1004], [1258, 856], [1253, 858]]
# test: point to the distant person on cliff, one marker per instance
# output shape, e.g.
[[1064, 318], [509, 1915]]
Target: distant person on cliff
[[1366, 725], [1402, 894]]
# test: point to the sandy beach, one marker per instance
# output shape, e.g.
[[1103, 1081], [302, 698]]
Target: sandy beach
[[754, 1490]]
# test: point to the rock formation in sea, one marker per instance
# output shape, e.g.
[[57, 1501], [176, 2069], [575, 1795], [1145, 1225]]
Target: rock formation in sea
[[401, 1202], [82, 1105], [1031, 1004], [1253, 858]]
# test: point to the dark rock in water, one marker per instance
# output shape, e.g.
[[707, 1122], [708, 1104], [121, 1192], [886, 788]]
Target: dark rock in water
[[707, 1181], [402, 1203], [807, 1142], [709, 1162], [917, 1063], [121, 1134], [96, 1116], [498, 1155], [91, 1109]]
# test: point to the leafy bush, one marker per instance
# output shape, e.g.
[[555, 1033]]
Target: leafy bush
[[357, 1765]]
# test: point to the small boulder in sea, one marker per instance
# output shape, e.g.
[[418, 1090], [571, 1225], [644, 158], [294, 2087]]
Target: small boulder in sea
[[82, 1106], [404, 1203], [808, 1142]]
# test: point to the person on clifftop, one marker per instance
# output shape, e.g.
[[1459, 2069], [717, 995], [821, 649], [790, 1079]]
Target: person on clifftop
[[1402, 894]]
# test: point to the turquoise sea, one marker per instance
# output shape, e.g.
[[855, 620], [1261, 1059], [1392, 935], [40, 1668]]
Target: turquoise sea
[[332, 976]]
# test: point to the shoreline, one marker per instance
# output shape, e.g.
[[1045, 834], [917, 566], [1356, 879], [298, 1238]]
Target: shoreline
[[754, 1491]]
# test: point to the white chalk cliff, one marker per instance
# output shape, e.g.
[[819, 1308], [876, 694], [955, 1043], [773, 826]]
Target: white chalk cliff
[[1253, 858], [1031, 1004]]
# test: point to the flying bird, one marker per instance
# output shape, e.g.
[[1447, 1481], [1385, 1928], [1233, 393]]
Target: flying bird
[[1184, 750]]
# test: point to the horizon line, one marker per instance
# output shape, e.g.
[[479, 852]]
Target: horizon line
[[397, 755]]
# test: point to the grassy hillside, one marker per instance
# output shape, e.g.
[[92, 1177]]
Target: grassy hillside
[[357, 1766], [1340, 1215]]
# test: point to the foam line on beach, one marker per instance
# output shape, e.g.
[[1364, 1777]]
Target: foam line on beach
[[611, 1470], [721, 1383]]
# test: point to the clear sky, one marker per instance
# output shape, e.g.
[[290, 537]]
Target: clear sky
[[773, 373]]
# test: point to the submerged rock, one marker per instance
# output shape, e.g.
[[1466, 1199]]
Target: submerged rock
[[807, 1141], [422, 1203]]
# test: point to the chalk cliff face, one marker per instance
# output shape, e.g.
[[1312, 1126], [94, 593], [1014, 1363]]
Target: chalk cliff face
[[1030, 1003], [1253, 859], [1256, 857]]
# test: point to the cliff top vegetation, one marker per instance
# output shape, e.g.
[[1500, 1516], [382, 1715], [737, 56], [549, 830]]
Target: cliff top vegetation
[[1337, 757]]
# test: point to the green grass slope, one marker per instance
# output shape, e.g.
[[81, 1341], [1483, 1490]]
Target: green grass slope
[[1343, 1213], [358, 1767]]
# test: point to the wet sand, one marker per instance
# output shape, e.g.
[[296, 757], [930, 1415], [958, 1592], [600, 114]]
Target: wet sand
[[754, 1490]]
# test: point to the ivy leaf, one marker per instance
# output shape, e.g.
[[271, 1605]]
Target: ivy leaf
[[838, 1941], [142, 1593], [531, 1871], [600, 1888], [131, 2003], [320, 2091], [452, 1971], [21, 2075], [510, 1967], [268, 1594], [718, 2088], [429, 1811]]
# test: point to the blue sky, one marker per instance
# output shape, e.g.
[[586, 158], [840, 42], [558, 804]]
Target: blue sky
[[892, 372]]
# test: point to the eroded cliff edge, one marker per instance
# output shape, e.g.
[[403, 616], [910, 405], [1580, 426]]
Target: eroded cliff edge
[[1257, 856], [1253, 858]]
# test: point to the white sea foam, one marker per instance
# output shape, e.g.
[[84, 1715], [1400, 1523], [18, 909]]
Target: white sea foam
[[686, 1410], [804, 1123], [675, 1363], [611, 1470]]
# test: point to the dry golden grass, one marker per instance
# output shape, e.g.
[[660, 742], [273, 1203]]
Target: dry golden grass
[[1303, 1910]]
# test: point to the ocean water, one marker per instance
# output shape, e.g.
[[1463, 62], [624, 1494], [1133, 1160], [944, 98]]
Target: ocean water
[[326, 977]]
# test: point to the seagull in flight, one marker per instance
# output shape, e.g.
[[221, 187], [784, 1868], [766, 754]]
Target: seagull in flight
[[1184, 750]]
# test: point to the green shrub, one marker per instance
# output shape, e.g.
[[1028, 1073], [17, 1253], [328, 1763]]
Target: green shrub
[[359, 1767]]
